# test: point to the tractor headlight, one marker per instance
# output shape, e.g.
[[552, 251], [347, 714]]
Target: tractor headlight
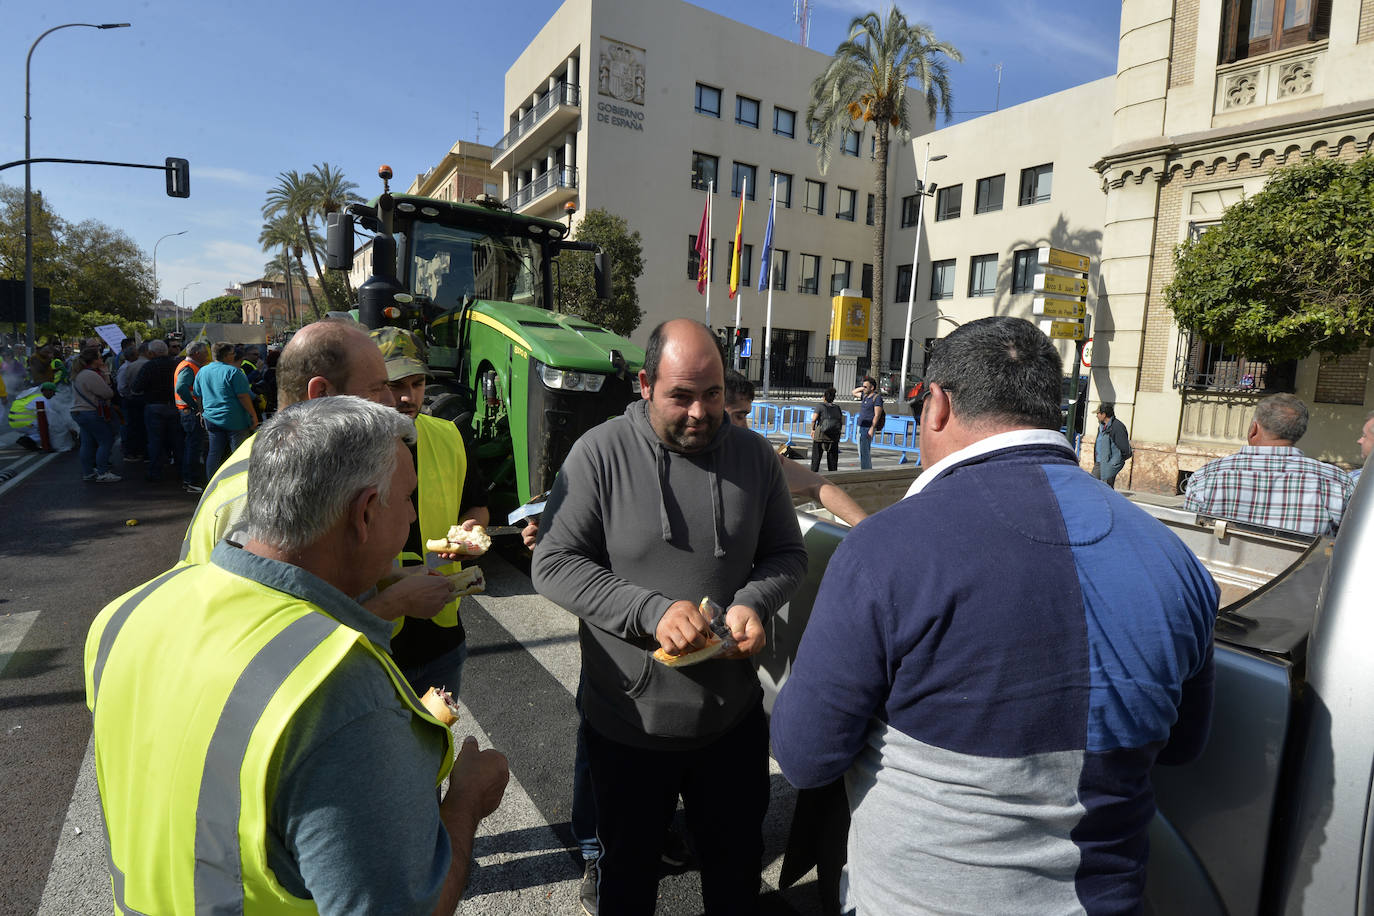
[[569, 379]]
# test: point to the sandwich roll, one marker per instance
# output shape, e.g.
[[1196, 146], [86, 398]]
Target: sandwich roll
[[441, 705], [472, 542]]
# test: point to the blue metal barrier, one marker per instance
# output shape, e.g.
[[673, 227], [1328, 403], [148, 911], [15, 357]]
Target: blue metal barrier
[[899, 434]]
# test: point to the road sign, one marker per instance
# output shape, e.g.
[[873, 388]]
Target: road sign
[[1064, 286], [1065, 260], [1059, 308], [747, 350], [1064, 330], [1088, 353]]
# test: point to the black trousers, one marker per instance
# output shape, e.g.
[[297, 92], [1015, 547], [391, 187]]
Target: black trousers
[[832, 450], [724, 788]]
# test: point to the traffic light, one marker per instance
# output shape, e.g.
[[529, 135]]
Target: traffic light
[[178, 177]]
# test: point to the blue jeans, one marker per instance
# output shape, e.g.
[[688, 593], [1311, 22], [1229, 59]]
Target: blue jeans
[[164, 437], [583, 802], [866, 447], [97, 438], [194, 438], [221, 440]]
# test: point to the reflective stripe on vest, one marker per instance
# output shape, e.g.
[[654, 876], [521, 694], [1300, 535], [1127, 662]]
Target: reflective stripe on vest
[[441, 466], [195, 367], [221, 506], [23, 413], [185, 746]]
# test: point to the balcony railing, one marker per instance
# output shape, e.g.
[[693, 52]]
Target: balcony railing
[[564, 176], [562, 94]]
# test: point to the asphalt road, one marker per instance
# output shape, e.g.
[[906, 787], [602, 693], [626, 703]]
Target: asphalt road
[[65, 552]]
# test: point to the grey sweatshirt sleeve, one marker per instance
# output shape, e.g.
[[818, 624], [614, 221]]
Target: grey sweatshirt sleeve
[[780, 558], [571, 567]]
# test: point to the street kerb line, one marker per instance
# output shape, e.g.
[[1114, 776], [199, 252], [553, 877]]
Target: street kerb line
[[36, 462]]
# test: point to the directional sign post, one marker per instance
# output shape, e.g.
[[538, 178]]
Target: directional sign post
[[1059, 308], [1061, 304]]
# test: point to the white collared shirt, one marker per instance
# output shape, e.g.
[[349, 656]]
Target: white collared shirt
[[983, 446]]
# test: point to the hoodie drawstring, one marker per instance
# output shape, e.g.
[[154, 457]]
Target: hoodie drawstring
[[717, 506]]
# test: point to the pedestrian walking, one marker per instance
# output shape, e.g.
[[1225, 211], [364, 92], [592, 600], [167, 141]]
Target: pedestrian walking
[[188, 412], [827, 427], [1112, 447], [226, 406], [166, 439]]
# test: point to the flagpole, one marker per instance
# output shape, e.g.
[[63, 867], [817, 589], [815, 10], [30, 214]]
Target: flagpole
[[739, 293], [710, 265], [768, 323]]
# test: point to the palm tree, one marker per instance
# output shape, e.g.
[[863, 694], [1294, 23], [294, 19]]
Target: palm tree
[[332, 193], [867, 80], [282, 232], [294, 196]]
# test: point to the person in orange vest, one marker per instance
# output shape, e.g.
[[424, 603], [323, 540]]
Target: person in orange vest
[[188, 409]]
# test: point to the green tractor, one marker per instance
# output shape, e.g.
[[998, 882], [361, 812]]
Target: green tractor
[[476, 281]]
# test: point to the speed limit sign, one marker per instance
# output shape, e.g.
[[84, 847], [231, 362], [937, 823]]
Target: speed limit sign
[[1088, 353]]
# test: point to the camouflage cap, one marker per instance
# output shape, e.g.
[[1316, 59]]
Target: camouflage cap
[[403, 352]]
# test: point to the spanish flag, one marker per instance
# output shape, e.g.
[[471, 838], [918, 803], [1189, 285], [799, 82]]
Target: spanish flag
[[734, 261]]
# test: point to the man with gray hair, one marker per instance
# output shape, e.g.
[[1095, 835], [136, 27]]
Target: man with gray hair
[[1270, 482], [164, 433], [996, 725], [254, 743]]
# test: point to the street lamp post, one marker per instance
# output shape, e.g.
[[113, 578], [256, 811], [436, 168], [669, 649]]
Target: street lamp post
[[28, 180], [157, 290], [922, 192], [183, 302]]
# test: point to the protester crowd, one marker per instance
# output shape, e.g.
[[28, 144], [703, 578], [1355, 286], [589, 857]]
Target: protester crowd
[[945, 693]]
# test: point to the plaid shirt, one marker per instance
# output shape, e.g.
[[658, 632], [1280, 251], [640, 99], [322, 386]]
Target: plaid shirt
[[1275, 486]]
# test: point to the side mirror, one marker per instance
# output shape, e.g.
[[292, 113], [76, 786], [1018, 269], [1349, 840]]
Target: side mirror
[[602, 270], [338, 253]]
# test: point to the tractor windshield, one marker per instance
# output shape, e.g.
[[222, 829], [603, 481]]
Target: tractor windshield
[[449, 262]]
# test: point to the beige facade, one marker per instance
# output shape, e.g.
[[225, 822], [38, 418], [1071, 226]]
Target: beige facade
[[604, 112], [265, 303], [1195, 129], [464, 174]]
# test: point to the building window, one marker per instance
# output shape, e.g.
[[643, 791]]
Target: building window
[[982, 275], [866, 281], [810, 274], [1023, 268], [839, 275], [704, 168], [1209, 366], [851, 143], [845, 201], [783, 182], [910, 205], [694, 262], [895, 346], [1251, 27], [785, 122], [947, 202], [815, 197], [814, 131], [873, 147], [903, 283], [747, 111], [777, 265], [942, 279], [988, 197], [708, 100], [744, 174], [746, 261], [1035, 184], [868, 211]]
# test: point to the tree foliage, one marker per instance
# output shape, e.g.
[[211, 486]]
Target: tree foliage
[[220, 310], [1287, 271], [305, 200], [577, 281], [88, 267], [866, 81]]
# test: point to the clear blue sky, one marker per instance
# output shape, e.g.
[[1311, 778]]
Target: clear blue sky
[[247, 88]]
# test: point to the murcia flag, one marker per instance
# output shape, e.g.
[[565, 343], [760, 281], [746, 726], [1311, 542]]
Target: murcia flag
[[704, 246]]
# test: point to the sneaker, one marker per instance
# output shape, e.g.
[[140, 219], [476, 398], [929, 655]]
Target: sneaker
[[192, 488], [88, 477], [26, 442], [676, 853], [107, 477], [587, 892]]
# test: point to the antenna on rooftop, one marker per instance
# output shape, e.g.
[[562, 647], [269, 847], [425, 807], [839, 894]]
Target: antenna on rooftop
[[801, 14], [997, 105], [477, 130]]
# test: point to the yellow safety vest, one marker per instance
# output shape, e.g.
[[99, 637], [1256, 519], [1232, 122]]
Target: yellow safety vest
[[441, 465], [24, 412], [220, 507], [193, 678]]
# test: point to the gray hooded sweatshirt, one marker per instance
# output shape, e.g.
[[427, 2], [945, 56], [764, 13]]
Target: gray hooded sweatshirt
[[632, 526]]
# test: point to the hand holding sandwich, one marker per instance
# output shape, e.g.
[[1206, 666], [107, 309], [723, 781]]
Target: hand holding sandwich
[[747, 630], [412, 592]]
